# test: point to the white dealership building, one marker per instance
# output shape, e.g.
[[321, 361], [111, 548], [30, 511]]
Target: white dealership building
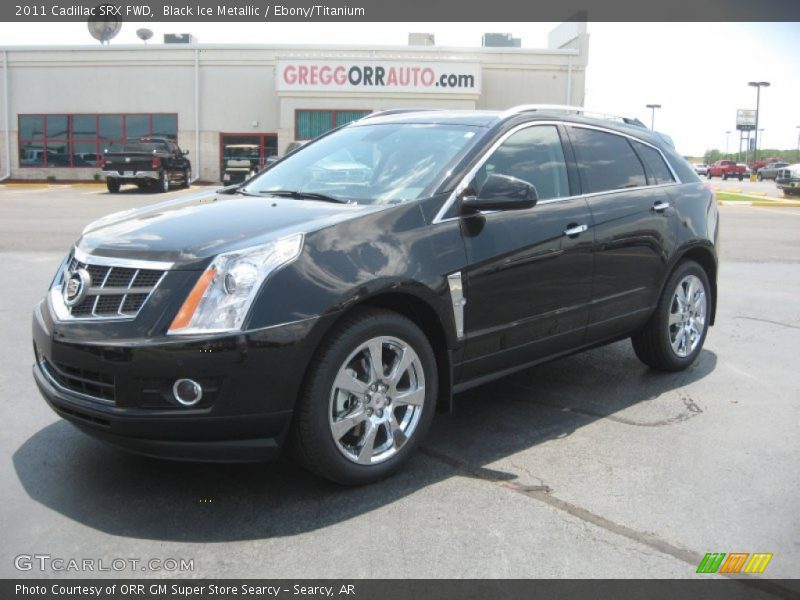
[[61, 107]]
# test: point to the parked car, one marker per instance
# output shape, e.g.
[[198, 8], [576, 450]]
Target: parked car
[[700, 168], [770, 171], [788, 179], [332, 316], [241, 162], [726, 169], [147, 162]]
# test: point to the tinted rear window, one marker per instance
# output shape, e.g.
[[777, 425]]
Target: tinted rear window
[[147, 147], [606, 161], [657, 170]]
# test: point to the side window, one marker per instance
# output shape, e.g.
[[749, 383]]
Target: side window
[[657, 170], [533, 154], [606, 161]]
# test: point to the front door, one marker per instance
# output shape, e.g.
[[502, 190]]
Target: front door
[[528, 283]]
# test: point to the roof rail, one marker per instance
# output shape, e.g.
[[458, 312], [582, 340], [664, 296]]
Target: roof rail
[[396, 111], [574, 109]]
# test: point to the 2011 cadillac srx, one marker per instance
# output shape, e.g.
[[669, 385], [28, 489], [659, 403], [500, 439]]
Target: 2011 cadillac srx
[[332, 301]]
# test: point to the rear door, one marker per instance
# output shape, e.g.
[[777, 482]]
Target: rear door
[[627, 186], [528, 282]]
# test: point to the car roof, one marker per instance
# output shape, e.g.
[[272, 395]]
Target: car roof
[[489, 118]]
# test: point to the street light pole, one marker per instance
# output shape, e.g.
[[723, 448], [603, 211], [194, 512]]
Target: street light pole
[[727, 139], [653, 108], [798, 142], [758, 85]]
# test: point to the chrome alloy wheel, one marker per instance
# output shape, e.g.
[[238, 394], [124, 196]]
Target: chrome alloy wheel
[[376, 400], [687, 316]]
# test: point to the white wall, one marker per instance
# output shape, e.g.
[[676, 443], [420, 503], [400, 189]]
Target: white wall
[[237, 88]]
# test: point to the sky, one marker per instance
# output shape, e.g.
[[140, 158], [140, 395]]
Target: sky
[[698, 72]]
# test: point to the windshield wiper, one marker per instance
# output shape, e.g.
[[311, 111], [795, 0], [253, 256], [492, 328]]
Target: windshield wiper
[[303, 195]]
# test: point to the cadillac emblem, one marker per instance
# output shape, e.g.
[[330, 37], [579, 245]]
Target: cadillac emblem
[[76, 286]]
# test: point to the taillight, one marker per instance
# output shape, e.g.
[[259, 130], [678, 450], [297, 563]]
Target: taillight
[[156, 163]]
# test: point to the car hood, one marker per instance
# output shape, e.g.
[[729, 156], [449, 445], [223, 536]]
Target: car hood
[[190, 230]]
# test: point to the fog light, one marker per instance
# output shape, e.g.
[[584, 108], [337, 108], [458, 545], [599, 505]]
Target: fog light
[[187, 392]]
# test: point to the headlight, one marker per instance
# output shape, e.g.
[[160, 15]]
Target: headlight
[[220, 299]]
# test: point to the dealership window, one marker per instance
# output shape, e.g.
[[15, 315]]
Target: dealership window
[[78, 140], [313, 123]]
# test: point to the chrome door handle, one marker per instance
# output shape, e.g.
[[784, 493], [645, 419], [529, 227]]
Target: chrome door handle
[[575, 230], [660, 206]]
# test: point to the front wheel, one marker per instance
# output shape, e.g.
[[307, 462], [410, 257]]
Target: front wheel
[[187, 178], [112, 185], [675, 333], [708, 175], [369, 398], [724, 177], [741, 177], [760, 177]]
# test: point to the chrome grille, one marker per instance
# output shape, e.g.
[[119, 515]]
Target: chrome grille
[[115, 292]]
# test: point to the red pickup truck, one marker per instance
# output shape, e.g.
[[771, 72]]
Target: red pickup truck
[[725, 169]]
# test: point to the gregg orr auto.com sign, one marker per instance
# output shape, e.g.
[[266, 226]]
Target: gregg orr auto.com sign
[[379, 76]]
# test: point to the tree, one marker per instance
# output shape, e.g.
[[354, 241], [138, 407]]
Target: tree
[[711, 156]]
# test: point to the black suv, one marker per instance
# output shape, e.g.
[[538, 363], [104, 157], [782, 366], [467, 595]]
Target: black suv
[[332, 301]]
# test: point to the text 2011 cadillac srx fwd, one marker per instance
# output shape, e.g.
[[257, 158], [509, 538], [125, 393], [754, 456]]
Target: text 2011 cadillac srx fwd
[[330, 302]]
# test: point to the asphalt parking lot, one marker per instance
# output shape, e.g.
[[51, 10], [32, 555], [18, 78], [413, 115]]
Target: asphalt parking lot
[[757, 188], [591, 466]]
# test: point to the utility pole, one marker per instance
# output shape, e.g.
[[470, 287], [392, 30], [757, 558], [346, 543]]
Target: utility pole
[[758, 85], [653, 108]]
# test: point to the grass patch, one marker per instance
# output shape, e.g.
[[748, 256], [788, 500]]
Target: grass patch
[[729, 197]]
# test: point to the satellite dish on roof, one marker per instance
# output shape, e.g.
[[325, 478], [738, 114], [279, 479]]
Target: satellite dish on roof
[[144, 34], [104, 25]]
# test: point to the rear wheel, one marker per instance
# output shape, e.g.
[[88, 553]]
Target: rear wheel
[[724, 177], [675, 333], [163, 182], [369, 398], [760, 177], [112, 185], [741, 177], [708, 175]]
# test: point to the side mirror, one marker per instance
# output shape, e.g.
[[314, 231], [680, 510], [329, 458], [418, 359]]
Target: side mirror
[[501, 192], [186, 153]]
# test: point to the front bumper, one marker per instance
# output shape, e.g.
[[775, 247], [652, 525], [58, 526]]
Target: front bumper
[[788, 184], [120, 392]]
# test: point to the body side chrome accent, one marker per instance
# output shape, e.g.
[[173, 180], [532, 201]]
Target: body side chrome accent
[[458, 301]]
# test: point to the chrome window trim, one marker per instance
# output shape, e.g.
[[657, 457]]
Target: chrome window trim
[[111, 261], [440, 218]]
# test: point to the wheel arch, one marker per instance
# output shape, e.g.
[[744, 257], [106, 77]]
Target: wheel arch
[[704, 256], [422, 313]]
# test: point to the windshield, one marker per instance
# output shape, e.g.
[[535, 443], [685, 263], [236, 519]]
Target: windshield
[[370, 164]]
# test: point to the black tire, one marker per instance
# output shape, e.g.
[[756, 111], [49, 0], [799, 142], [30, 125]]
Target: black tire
[[112, 185], [741, 177], [187, 177], [652, 344], [163, 182], [760, 177], [312, 442], [708, 175], [724, 177]]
